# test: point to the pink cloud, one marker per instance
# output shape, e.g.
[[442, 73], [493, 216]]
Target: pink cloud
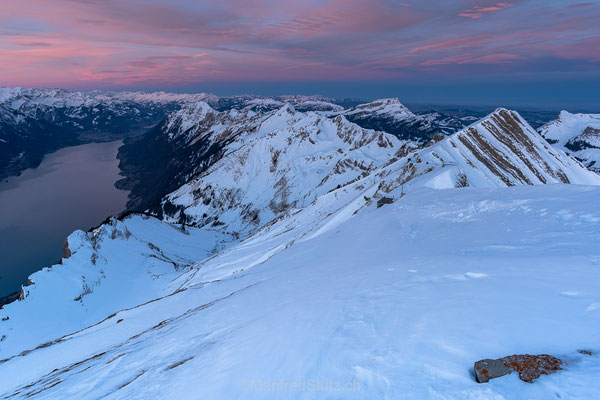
[[478, 12], [474, 59], [459, 42], [492, 59]]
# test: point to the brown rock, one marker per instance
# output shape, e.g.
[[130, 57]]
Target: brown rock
[[66, 251], [384, 200], [529, 367]]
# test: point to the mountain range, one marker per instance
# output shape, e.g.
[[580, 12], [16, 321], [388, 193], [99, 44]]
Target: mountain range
[[306, 240], [34, 122]]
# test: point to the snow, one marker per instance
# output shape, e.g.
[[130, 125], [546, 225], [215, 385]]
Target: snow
[[391, 108], [187, 118], [283, 160], [396, 302], [569, 127], [119, 265], [63, 98]]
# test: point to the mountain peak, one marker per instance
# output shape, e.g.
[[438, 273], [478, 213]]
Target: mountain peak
[[286, 109], [390, 109], [505, 149], [188, 117], [387, 104]]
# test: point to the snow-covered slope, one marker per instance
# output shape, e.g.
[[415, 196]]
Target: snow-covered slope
[[577, 134], [28, 99], [276, 163], [118, 265], [394, 302]]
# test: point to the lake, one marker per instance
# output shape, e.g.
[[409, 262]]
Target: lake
[[73, 188]]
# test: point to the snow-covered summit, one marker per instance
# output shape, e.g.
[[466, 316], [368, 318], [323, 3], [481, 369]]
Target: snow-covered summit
[[391, 116], [391, 108], [190, 116], [576, 134]]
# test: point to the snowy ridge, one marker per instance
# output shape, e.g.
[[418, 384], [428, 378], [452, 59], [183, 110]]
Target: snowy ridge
[[118, 265], [20, 98], [576, 134], [390, 108], [500, 150], [282, 161], [504, 150], [190, 116]]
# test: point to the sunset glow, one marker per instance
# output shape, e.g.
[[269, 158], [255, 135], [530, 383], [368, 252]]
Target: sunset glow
[[158, 43]]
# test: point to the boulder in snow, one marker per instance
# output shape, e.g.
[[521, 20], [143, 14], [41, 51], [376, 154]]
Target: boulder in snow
[[529, 367]]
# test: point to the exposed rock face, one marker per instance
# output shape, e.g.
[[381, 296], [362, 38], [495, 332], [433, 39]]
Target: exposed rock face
[[383, 201], [9, 299], [589, 139], [529, 367], [66, 251]]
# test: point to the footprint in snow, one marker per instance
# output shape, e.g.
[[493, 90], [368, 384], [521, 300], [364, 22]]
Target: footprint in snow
[[564, 215], [593, 307], [589, 218], [475, 275], [570, 294], [466, 276]]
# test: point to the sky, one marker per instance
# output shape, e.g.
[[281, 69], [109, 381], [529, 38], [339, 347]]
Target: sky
[[540, 52]]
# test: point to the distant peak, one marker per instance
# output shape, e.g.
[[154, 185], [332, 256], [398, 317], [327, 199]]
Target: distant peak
[[382, 102], [564, 114], [390, 100], [287, 108], [200, 108]]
